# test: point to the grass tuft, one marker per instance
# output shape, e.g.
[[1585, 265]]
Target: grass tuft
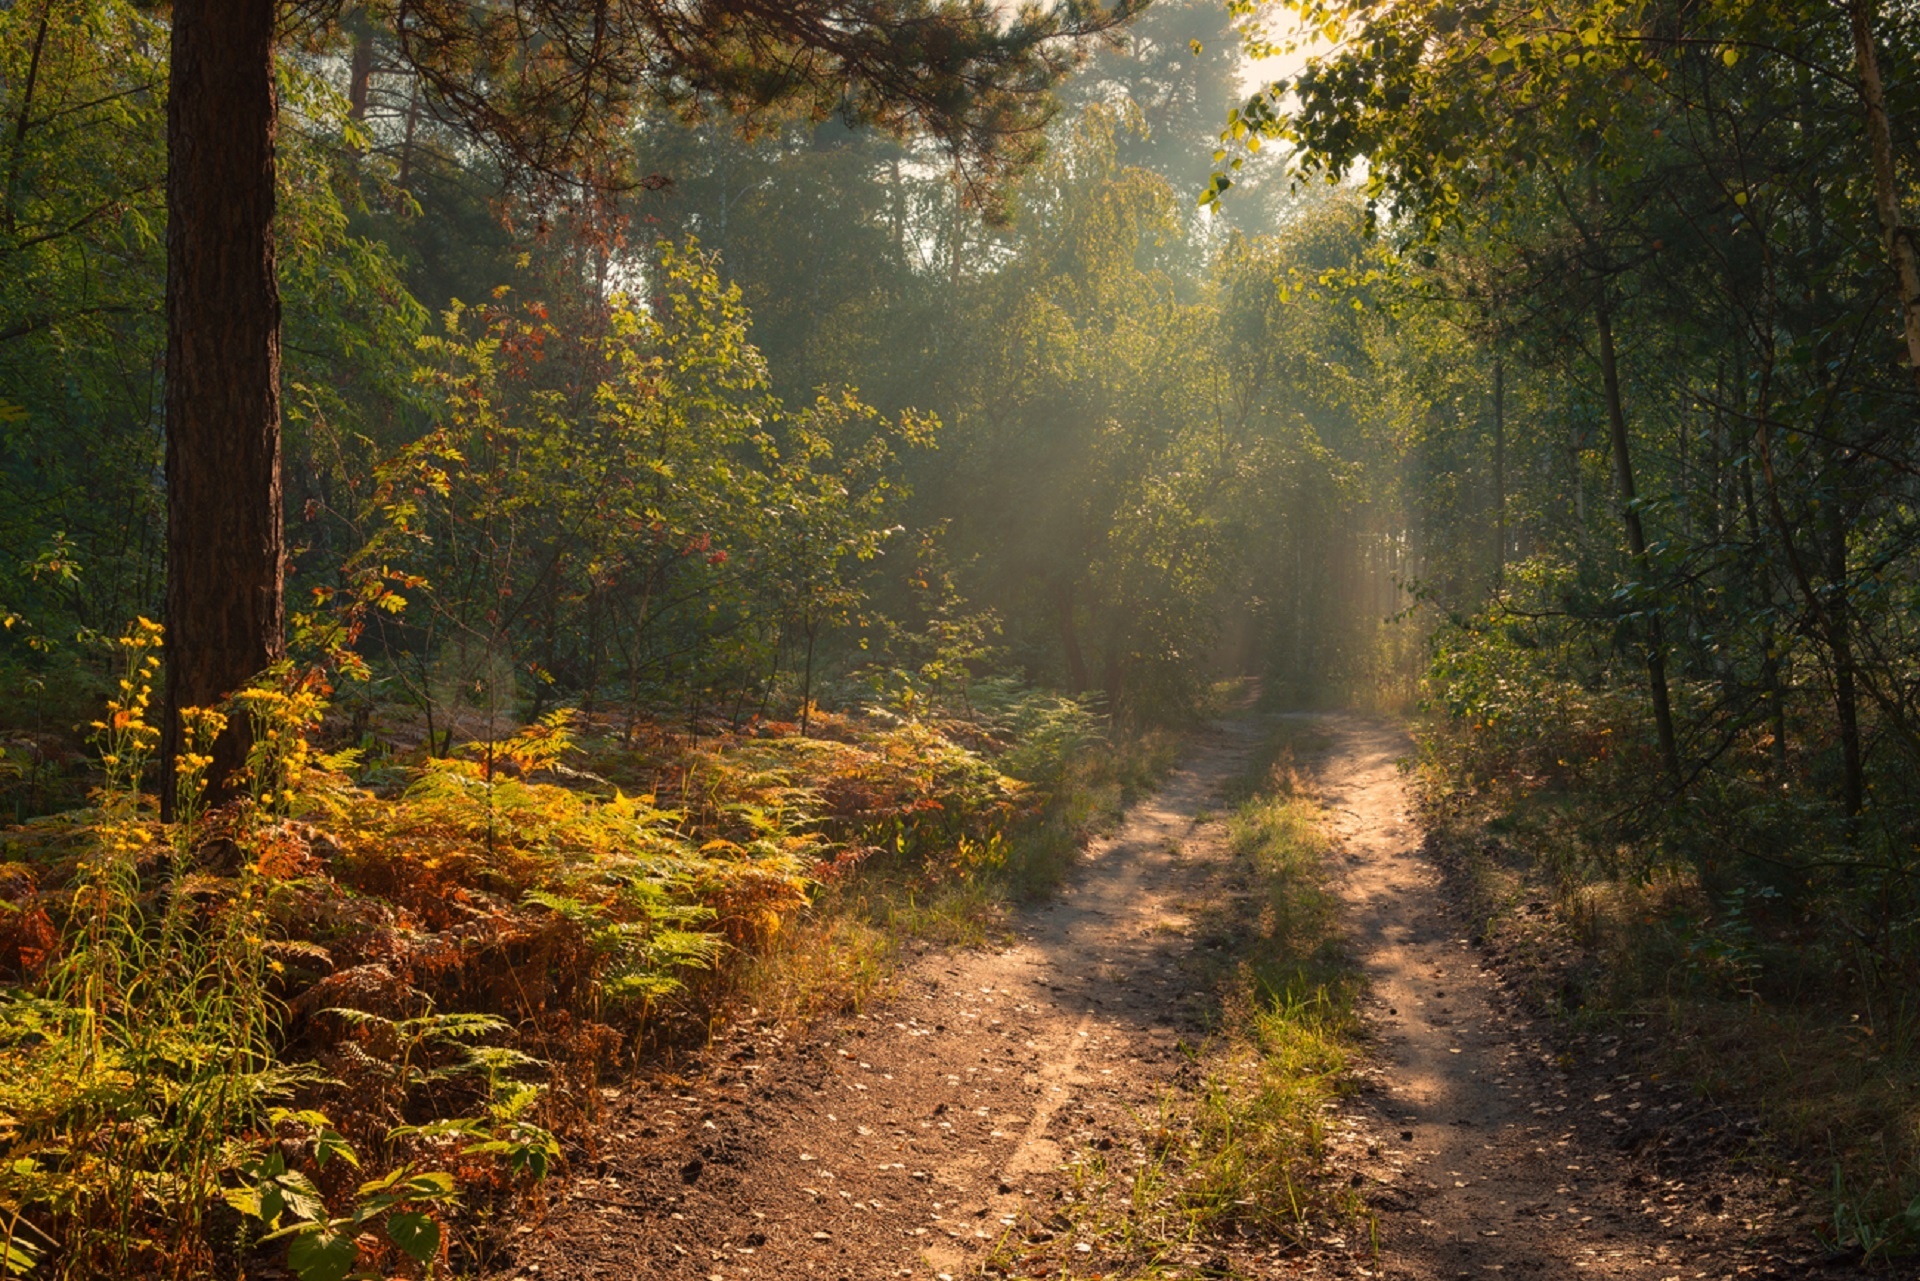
[[1239, 1160], [1290, 1032]]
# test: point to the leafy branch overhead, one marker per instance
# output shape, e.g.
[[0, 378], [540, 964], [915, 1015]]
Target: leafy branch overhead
[[544, 81]]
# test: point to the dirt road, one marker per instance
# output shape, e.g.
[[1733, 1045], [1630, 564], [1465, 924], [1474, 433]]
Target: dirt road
[[1496, 1152], [936, 1135]]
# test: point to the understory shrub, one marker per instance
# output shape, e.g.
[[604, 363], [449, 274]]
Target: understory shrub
[[339, 1015]]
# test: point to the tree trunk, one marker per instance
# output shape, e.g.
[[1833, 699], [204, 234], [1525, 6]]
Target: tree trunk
[[1846, 697], [897, 213], [360, 67], [23, 120], [959, 227], [1499, 476], [404, 177], [1899, 237], [1637, 543], [1075, 657], [1772, 678], [806, 679], [224, 527]]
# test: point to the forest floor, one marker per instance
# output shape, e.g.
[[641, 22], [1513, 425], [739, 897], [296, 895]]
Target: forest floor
[[947, 1130]]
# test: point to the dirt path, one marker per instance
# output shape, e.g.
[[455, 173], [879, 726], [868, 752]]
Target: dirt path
[[933, 1135], [912, 1139], [1494, 1153]]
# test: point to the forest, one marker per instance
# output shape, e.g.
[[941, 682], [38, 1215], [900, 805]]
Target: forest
[[529, 529]]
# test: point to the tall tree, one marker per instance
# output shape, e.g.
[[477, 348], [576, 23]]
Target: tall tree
[[225, 544], [538, 80]]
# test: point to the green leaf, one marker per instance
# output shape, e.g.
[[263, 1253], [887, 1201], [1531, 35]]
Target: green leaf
[[433, 1186], [383, 1182], [17, 1257], [1729, 55], [460, 1126], [301, 1196], [418, 1235], [322, 1256], [244, 1201], [329, 1144]]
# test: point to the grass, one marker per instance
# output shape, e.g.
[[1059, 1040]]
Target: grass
[[1235, 1166], [1290, 1029]]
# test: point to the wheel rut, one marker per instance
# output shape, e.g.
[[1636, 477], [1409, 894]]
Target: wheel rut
[[910, 1139]]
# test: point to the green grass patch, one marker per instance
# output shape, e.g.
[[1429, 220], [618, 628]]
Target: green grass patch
[[1289, 1034], [1238, 1160]]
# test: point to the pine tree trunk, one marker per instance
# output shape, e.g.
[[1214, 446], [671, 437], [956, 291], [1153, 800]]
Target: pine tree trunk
[[1846, 697], [360, 67], [224, 528]]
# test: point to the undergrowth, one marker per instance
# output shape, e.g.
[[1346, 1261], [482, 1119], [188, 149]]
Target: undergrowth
[[1738, 917], [344, 1022], [844, 948]]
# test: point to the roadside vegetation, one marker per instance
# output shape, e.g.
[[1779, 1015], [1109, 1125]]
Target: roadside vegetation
[[1697, 937], [354, 1019], [1667, 505]]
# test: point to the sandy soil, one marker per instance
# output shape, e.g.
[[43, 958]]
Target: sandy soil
[[934, 1135], [1499, 1146]]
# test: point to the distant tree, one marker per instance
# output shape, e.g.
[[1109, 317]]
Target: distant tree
[[538, 81], [1177, 64]]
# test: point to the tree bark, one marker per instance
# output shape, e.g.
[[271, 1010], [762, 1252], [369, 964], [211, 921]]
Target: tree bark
[[1900, 238], [23, 120], [1846, 697], [224, 526], [1076, 660], [1499, 476], [360, 67], [404, 178], [1637, 543]]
